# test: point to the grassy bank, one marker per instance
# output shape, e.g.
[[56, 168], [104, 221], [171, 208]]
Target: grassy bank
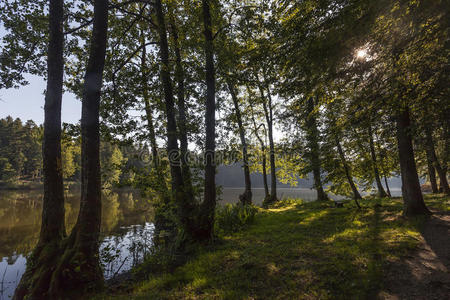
[[310, 251]]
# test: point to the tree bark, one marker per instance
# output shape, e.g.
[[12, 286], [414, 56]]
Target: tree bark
[[413, 203], [162, 187], [312, 137], [268, 113], [185, 208], [263, 150], [182, 123], [431, 171], [81, 254], [381, 191], [356, 194], [388, 191], [205, 230], [432, 152], [245, 198], [35, 282]]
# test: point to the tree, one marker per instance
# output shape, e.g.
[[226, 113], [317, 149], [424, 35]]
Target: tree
[[82, 246], [205, 229], [245, 198], [35, 283]]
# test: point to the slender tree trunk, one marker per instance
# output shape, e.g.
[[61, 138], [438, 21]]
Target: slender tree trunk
[[412, 195], [431, 171], [162, 187], [269, 120], [82, 248], [312, 137], [432, 151], [387, 187], [356, 194], [35, 282], [184, 205], [205, 230], [246, 198], [263, 150], [182, 123], [381, 192], [75, 269]]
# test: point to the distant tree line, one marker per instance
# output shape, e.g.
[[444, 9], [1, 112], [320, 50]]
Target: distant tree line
[[21, 155]]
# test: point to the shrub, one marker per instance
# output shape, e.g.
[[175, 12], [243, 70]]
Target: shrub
[[287, 202], [233, 217]]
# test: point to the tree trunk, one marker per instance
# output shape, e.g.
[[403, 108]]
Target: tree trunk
[[431, 171], [78, 267], [205, 230], [182, 123], [264, 161], [388, 191], [413, 203], [356, 194], [35, 282], [432, 152], [184, 206], [162, 187], [381, 192], [245, 198], [269, 120], [312, 137]]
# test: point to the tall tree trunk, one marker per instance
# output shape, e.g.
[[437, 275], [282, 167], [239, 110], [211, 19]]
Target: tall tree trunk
[[431, 171], [412, 195], [381, 192], [205, 230], [162, 187], [81, 254], [75, 269], [432, 152], [356, 194], [387, 187], [268, 113], [182, 123], [312, 137], [263, 150], [246, 198], [35, 282], [184, 205]]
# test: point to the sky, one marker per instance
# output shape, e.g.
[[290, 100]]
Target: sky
[[27, 102]]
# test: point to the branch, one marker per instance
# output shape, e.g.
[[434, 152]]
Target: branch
[[131, 56], [70, 31]]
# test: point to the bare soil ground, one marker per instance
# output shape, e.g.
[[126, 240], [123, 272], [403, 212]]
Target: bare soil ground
[[425, 273]]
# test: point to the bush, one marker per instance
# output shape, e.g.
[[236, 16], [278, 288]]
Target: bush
[[233, 217], [287, 202]]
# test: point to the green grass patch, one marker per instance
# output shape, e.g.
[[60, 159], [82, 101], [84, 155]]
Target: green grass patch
[[297, 250]]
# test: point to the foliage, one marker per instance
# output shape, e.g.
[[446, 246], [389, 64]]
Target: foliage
[[233, 217], [311, 250]]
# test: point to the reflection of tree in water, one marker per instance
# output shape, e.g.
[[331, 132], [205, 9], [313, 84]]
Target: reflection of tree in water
[[19, 224], [110, 210], [122, 252], [126, 224]]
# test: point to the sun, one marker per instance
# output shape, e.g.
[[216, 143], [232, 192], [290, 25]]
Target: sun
[[361, 53]]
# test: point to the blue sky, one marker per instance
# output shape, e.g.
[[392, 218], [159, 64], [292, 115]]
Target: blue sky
[[27, 102]]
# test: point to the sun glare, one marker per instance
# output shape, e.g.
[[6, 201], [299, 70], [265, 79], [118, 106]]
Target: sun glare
[[361, 53]]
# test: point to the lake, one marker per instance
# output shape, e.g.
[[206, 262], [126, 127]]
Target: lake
[[126, 227]]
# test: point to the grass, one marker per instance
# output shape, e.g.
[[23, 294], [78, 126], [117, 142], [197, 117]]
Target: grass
[[301, 251]]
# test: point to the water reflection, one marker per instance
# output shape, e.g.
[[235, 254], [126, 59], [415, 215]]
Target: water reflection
[[126, 231]]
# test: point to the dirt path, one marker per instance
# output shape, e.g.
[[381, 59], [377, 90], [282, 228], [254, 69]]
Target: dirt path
[[425, 274]]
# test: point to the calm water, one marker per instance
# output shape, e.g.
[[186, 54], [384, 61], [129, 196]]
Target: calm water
[[126, 231], [126, 227]]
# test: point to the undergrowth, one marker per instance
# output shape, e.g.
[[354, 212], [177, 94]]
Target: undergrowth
[[296, 250]]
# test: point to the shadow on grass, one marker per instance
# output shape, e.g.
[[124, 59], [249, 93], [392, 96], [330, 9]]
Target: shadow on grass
[[310, 251]]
